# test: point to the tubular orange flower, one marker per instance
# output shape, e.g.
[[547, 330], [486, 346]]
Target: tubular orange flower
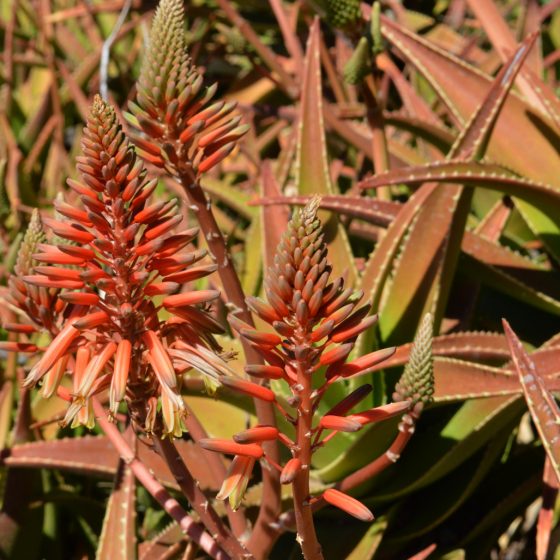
[[230, 447], [256, 434], [348, 504], [236, 481], [339, 423]]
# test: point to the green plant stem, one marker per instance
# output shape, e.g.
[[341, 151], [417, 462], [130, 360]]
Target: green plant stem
[[192, 529], [263, 536], [198, 501], [306, 535]]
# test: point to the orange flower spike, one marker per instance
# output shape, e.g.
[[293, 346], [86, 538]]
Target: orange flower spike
[[120, 375], [348, 504], [232, 448]]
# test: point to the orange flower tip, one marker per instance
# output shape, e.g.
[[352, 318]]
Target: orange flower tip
[[336, 354], [262, 309], [92, 320], [265, 339], [339, 423], [232, 448], [322, 331], [290, 471], [44, 282], [190, 298], [364, 363], [340, 334], [257, 434], [79, 298], [19, 328], [10, 346], [264, 372], [161, 288], [381, 412], [348, 504], [248, 388], [191, 274], [215, 158], [55, 256], [149, 247]]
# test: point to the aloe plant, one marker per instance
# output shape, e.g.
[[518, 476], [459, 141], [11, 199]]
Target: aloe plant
[[431, 141]]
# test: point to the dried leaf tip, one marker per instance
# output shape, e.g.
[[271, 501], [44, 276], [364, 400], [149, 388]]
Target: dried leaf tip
[[417, 381]]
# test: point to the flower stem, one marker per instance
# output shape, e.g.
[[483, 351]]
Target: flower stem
[[306, 535], [197, 499], [192, 529], [263, 536]]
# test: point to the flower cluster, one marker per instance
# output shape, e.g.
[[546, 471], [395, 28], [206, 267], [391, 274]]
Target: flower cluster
[[183, 130], [120, 262], [316, 321]]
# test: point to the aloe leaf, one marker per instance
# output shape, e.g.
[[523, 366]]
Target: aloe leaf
[[158, 546], [487, 175], [382, 213], [457, 380], [274, 219], [118, 536], [435, 134], [369, 543], [476, 423], [252, 271], [541, 403], [508, 284], [312, 166], [424, 271], [92, 455], [517, 122]]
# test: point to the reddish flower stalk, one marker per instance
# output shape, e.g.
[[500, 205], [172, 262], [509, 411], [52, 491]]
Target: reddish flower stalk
[[316, 322], [186, 133], [93, 286]]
